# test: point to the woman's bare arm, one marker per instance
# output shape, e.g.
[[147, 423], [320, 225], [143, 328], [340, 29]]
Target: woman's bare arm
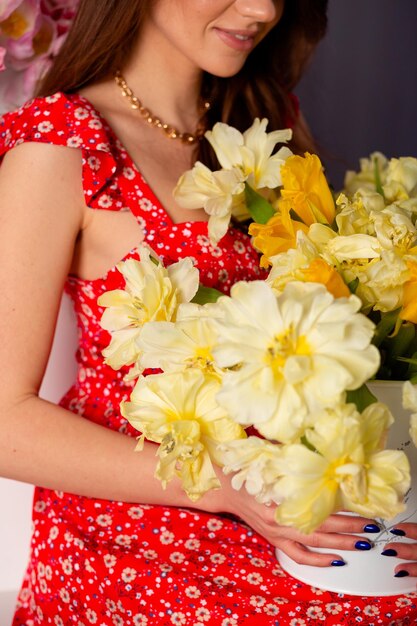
[[41, 214]]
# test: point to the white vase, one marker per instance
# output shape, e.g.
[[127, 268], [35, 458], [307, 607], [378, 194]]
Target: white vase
[[369, 573]]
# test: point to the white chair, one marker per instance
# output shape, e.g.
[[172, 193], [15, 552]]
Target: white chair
[[16, 498]]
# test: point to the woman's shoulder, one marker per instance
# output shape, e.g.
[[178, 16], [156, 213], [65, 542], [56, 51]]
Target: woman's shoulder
[[60, 119]]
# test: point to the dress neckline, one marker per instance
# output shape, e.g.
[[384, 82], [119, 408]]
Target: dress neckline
[[131, 163]]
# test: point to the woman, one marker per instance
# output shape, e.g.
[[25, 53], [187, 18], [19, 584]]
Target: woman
[[73, 203]]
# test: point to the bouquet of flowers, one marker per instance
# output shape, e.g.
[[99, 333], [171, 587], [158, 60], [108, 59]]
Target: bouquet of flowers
[[31, 33], [269, 382]]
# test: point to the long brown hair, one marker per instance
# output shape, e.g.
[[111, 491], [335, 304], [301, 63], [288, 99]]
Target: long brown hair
[[104, 33]]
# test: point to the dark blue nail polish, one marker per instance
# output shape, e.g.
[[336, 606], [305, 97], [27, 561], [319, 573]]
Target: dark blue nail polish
[[398, 532], [337, 563], [371, 528], [363, 545], [389, 552], [401, 574]]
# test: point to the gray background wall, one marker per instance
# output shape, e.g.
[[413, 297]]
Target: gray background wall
[[360, 92]]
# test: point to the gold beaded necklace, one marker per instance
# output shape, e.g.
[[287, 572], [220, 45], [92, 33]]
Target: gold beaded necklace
[[152, 120]]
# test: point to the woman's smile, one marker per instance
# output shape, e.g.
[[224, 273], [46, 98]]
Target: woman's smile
[[241, 40]]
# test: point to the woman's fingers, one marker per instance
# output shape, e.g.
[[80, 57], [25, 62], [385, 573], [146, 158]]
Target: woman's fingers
[[408, 529], [331, 535], [406, 551], [344, 523], [302, 555], [410, 569]]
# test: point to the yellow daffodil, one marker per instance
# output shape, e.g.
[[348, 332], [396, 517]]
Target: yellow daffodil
[[251, 152], [305, 190], [381, 283], [186, 344], [179, 411], [304, 264], [288, 266], [277, 235], [152, 293], [244, 158], [321, 272], [381, 273], [289, 354], [220, 193], [401, 179], [353, 215], [394, 229], [409, 299]]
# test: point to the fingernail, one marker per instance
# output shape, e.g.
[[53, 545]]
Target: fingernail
[[363, 545], [389, 552], [337, 563], [398, 532], [401, 574], [371, 528]]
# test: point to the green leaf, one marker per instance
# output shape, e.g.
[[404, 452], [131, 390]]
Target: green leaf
[[260, 210], [412, 367], [385, 326], [378, 183], [308, 445], [353, 285], [412, 361], [361, 397], [401, 342], [206, 294]]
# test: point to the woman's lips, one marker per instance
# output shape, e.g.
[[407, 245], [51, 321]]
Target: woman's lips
[[237, 39]]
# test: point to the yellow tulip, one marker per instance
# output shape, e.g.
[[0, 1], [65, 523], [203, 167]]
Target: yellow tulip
[[289, 355], [179, 411], [305, 190], [346, 470], [152, 293]]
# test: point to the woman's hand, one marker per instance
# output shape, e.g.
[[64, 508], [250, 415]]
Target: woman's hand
[[407, 551], [336, 533]]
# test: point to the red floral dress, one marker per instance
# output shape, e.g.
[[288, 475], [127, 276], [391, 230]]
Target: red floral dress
[[117, 564]]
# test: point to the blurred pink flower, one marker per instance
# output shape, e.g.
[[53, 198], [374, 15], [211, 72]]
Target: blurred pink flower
[[7, 7], [31, 34]]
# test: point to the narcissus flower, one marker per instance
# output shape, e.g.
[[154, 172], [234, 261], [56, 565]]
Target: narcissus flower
[[219, 193], [305, 190], [251, 152], [179, 411], [245, 158], [277, 235], [304, 263], [409, 300]]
